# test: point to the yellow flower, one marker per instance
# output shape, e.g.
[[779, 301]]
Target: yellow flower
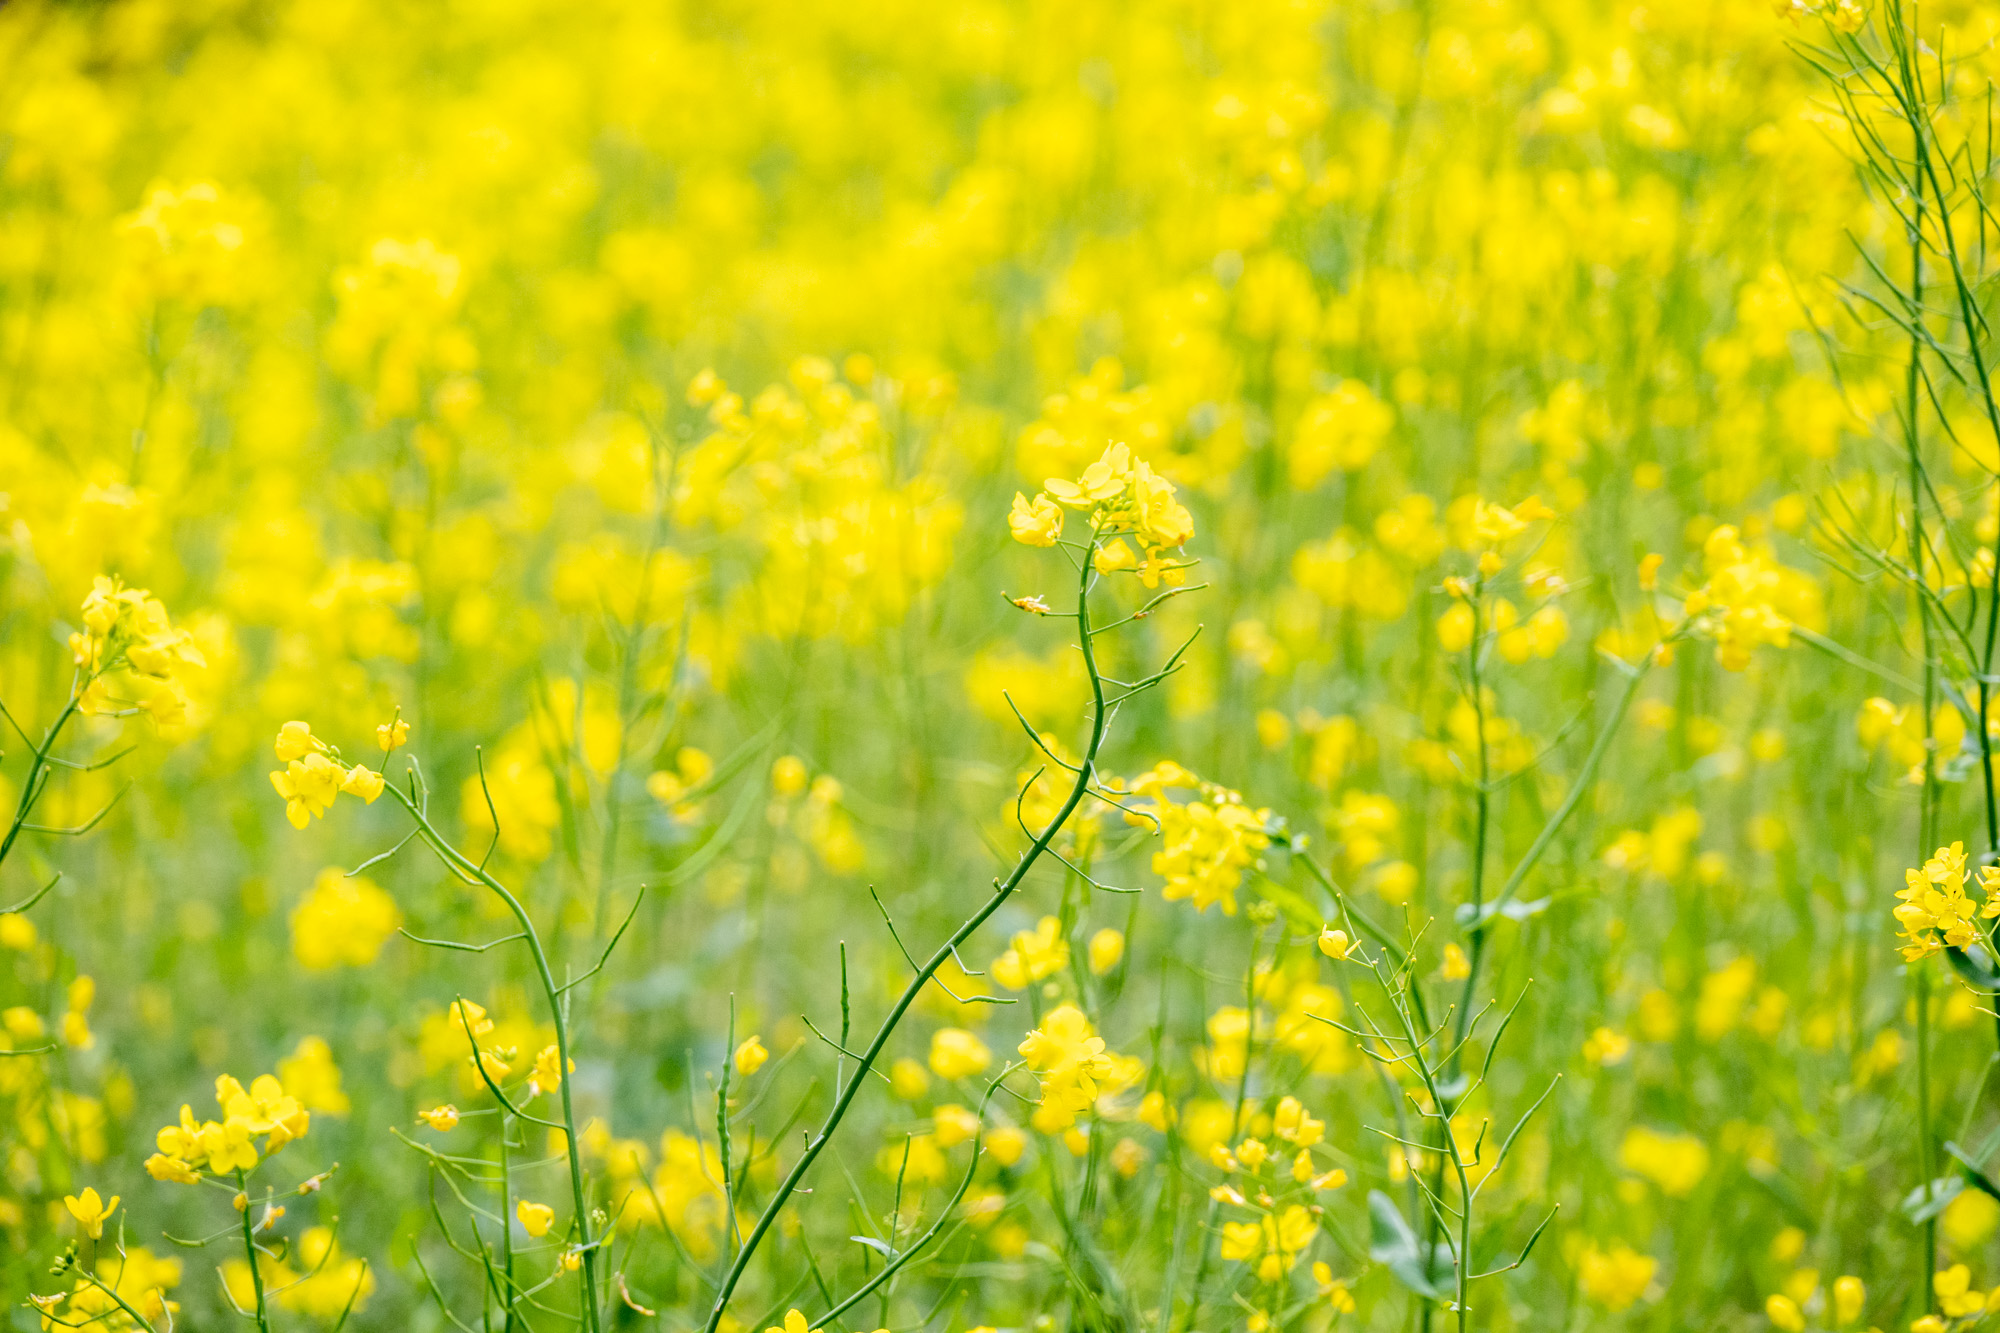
[[1457, 967], [161, 1166], [1674, 1162], [310, 1074], [295, 741], [1035, 524], [226, 1146], [90, 1211], [1849, 1296], [308, 786], [908, 1080], [363, 782], [750, 1056], [443, 1118], [265, 1109], [1103, 480], [536, 1218], [17, 932], [392, 735], [956, 1053], [468, 1016], [789, 775], [1296, 1125], [1114, 556], [794, 1323], [1784, 1314], [1241, 1240], [1607, 1047], [1107, 946], [547, 1074], [1275, 1241], [1334, 943], [1957, 1297], [1032, 955], [1162, 521], [1615, 1278], [952, 1125], [1335, 1293]]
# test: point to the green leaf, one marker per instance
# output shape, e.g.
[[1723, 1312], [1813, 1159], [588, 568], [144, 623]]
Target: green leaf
[[1975, 967], [1974, 1177], [1942, 1191], [1511, 908], [1393, 1245]]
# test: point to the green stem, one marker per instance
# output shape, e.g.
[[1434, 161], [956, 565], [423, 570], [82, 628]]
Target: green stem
[[474, 873], [1912, 443], [112, 1292], [1584, 777], [250, 1254], [506, 1227], [1235, 1128], [31, 789], [845, 1098]]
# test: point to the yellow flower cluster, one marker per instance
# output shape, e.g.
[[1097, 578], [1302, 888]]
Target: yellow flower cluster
[[319, 1281], [1898, 733], [1934, 910], [1273, 1242], [1210, 838], [1074, 1067], [1123, 497], [612, 380], [682, 1193], [1957, 1299], [1616, 1277], [188, 1148], [1675, 1163], [1032, 955], [1749, 599], [130, 655], [313, 775], [343, 921], [1787, 1309]]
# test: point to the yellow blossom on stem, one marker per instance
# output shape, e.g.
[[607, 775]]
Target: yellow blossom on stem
[[1934, 910], [536, 1218], [1036, 523], [1069, 1056], [750, 1056], [90, 1211]]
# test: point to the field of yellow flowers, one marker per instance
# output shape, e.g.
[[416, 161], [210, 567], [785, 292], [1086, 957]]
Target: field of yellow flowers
[[1145, 666]]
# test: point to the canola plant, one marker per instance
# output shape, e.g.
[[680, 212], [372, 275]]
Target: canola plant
[[1154, 667]]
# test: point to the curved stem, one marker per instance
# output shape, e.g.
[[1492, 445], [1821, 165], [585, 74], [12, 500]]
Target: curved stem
[[472, 873], [845, 1097], [32, 787]]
